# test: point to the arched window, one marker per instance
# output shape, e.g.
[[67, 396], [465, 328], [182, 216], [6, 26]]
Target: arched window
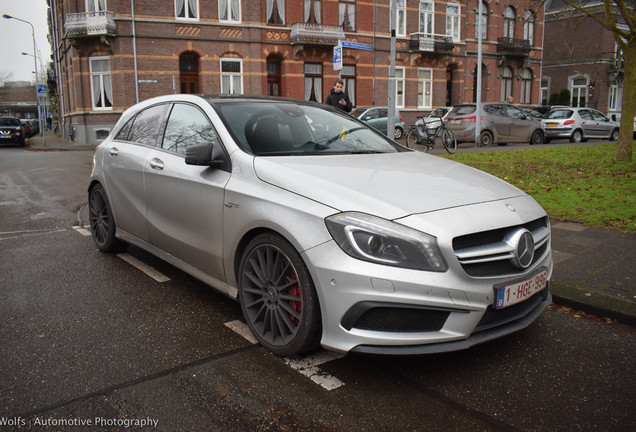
[[506, 84], [526, 86], [528, 26], [509, 23], [483, 24], [273, 76]]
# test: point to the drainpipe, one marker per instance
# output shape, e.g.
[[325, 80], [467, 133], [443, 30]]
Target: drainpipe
[[134, 37], [58, 68]]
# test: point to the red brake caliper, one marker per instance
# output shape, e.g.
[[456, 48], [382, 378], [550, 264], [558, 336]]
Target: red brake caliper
[[295, 291]]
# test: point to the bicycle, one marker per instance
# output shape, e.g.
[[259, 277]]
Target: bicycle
[[420, 133]]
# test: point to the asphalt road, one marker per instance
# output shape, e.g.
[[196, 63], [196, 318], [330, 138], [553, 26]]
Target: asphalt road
[[90, 342]]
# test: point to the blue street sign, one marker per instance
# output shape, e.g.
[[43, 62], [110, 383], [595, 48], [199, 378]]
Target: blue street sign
[[337, 57], [356, 45], [41, 89]]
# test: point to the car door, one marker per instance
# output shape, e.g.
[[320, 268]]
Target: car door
[[185, 202], [521, 125], [588, 124], [603, 126], [373, 118], [497, 120], [124, 170]]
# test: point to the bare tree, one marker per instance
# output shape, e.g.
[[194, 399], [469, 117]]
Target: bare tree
[[620, 19], [4, 76]]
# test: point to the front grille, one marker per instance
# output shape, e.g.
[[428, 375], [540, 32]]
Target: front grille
[[401, 320], [486, 254]]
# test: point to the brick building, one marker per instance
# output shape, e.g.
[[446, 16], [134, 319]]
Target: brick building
[[112, 53], [582, 58]]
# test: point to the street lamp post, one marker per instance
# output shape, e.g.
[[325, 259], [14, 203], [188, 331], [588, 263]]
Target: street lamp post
[[35, 62]]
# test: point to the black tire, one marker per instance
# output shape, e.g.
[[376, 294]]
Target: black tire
[[614, 135], [412, 138], [537, 137], [485, 139], [577, 136], [398, 132], [102, 222], [278, 297], [449, 141]]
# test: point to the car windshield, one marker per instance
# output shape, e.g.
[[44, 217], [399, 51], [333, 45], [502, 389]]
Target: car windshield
[[463, 109], [559, 114], [9, 121], [277, 129]]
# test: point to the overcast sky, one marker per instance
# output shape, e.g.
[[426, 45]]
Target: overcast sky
[[15, 38]]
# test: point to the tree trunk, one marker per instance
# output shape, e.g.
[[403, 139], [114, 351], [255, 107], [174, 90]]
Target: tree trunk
[[625, 137]]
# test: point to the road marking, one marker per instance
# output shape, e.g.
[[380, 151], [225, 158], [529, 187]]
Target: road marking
[[307, 366], [159, 277], [83, 231]]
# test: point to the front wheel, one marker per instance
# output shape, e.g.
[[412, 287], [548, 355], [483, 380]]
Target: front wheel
[[278, 297], [537, 137], [412, 138], [449, 141], [614, 135]]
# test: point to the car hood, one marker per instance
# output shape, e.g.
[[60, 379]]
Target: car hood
[[390, 185]]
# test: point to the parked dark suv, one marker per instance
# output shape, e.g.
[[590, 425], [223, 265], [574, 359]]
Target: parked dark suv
[[11, 131]]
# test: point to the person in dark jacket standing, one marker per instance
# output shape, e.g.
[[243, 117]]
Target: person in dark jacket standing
[[338, 98]]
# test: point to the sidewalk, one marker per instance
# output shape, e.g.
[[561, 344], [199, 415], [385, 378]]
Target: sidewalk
[[594, 268]]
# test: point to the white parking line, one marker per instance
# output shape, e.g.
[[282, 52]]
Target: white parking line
[[83, 231], [307, 366], [159, 277]]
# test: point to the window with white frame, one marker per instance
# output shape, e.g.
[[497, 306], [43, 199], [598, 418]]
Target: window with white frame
[[579, 92], [231, 76], [313, 82], [424, 88], [399, 86], [401, 18], [312, 11], [509, 23], [427, 17], [95, 5], [275, 11], [481, 26], [453, 17], [101, 87], [230, 11], [526, 86], [506, 84], [613, 97], [348, 75], [347, 14], [186, 9], [545, 88], [528, 26]]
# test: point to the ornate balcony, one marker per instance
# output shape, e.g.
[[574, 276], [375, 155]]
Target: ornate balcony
[[89, 24], [513, 47], [316, 34], [433, 43]]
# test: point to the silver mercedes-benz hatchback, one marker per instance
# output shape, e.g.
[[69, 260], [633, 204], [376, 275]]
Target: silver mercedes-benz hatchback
[[326, 231]]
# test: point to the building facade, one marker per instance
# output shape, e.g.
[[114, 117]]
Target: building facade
[[110, 54], [583, 59]]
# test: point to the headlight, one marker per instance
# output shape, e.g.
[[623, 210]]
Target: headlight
[[381, 241]]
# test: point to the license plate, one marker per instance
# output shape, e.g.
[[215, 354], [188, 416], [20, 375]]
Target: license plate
[[553, 124], [455, 122], [515, 292]]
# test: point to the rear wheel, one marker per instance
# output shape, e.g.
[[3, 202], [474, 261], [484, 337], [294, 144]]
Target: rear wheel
[[577, 136], [485, 139], [537, 137], [449, 141], [398, 132], [102, 222], [278, 297]]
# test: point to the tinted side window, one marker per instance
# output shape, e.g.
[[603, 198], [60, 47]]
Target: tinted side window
[[146, 127], [122, 135], [495, 110], [598, 116], [514, 112], [586, 115], [186, 127]]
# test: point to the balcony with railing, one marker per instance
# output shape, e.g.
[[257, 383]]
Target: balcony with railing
[[433, 43], [88, 24], [316, 34], [513, 47]]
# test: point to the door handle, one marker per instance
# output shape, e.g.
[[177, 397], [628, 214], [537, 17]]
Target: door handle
[[114, 151], [156, 164]]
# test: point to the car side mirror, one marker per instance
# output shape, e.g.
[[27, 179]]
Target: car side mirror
[[202, 155]]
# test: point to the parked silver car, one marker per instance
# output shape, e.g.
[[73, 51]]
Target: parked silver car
[[501, 123], [579, 124], [324, 230]]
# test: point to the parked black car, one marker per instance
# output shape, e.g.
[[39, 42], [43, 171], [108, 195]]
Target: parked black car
[[11, 131]]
